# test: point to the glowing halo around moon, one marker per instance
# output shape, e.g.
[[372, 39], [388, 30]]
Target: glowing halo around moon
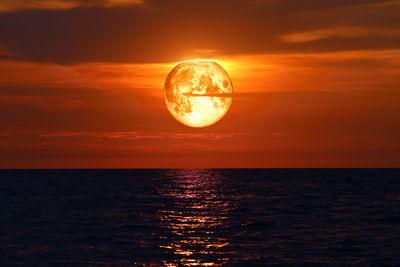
[[198, 93]]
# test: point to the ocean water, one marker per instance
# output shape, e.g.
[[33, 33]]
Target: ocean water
[[200, 217]]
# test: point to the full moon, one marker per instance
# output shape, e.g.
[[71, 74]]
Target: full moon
[[198, 93]]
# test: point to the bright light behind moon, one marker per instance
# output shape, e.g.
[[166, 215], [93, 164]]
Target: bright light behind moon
[[198, 93]]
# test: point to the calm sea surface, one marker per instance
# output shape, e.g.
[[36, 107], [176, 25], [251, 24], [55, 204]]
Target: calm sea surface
[[210, 217]]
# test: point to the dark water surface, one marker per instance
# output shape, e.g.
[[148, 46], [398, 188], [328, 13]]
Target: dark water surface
[[243, 217]]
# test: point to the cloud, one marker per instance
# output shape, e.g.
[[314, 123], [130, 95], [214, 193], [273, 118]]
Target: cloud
[[101, 76], [381, 4], [287, 126], [4, 52], [171, 31], [315, 81], [18, 5], [344, 32]]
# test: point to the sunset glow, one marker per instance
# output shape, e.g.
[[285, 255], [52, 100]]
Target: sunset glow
[[200, 132], [321, 93]]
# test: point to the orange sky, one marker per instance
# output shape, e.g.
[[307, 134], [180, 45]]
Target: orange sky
[[316, 83]]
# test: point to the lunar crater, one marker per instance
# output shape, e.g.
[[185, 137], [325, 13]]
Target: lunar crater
[[198, 93]]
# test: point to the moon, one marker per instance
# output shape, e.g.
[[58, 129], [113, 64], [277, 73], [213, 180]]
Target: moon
[[198, 93]]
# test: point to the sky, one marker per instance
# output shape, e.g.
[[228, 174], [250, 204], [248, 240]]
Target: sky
[[316, 83]]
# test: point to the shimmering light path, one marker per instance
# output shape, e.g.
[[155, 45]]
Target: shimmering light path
[[200, 217]]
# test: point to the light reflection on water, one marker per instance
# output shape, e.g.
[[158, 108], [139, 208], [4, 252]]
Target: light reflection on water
[[194, 219], [230, 217]]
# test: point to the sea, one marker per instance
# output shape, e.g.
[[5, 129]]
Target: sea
[[200, 217]]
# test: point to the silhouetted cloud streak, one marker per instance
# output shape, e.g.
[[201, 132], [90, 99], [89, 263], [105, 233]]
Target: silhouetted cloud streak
[[161, 31]]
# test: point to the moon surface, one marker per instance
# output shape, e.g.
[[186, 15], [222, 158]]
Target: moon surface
[[198, 93]]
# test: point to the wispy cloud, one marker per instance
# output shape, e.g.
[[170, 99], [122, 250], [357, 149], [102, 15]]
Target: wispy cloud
[[17, 5], [5, 52], [149, 35], [380, 4], [44, 102], [130, 135], [343, 32], [210, 136], [107, 76], [118, 135]]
